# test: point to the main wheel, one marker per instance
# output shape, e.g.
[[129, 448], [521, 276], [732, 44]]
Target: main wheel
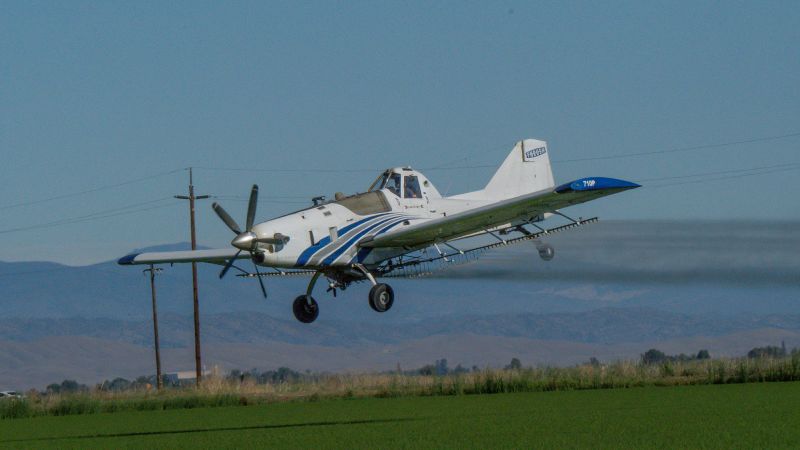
[[305, 309], [381, 297]]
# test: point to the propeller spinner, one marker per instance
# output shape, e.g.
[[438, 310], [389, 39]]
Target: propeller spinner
[[246, 240]]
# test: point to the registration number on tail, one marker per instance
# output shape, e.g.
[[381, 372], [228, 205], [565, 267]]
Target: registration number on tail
[[534, 152]]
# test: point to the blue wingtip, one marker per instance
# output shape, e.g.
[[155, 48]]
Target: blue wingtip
[[596, 184], [127, 260]]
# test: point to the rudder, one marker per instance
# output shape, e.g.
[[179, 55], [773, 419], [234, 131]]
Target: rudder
[[526, 169]]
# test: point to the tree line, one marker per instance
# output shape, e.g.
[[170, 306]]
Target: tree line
[[440, 367]]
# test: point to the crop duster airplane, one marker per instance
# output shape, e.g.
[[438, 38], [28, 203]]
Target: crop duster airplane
[[399, 227]]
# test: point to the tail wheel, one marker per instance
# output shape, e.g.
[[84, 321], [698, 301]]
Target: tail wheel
[[305, 309], [381, 297], [546, 252]]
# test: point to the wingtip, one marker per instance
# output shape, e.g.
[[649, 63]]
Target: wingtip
[[595, 184], [632, 184], [127, 260]]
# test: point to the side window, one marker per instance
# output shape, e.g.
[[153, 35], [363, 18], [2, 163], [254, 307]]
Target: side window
[[394, 184], [412, 189]]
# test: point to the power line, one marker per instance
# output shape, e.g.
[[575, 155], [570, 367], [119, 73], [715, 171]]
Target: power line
[[484, 166], [729, 177], [70, 222], [628, 155], [479, 166], [236, 198], [34, 272], [89, 191], [622, 155], [143, 206], [125, 210], [114, 212], [271, 170], [682, 149], [277, 197], [362, 170], [723, 172]]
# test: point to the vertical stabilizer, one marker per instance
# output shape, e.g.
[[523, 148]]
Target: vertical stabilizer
[[525, 170]]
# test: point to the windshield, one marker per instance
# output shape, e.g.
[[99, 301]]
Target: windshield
[[379, 182], [393, 184], [388, 180], [367, 203]]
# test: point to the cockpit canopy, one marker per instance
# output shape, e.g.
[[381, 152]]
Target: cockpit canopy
[[405, 182]]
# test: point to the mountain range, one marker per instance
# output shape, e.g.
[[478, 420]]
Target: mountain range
[[613, 289]]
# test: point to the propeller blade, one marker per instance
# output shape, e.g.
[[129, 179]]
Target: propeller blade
[[226, 218], [260, 281], [228, 265], [251, 207]]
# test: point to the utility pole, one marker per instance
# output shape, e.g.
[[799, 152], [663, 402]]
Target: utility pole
[[191, 197], [153, 270]]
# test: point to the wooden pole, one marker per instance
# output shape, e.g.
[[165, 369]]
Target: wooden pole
[[159, 380], [197, 358]]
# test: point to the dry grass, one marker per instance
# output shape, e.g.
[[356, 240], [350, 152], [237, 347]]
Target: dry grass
[[218, 391]]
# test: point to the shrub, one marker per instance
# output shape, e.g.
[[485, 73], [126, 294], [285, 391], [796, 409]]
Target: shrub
[[76, 404], [15, 408]]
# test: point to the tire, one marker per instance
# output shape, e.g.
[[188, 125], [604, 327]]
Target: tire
[[381, 297], [305, 309]]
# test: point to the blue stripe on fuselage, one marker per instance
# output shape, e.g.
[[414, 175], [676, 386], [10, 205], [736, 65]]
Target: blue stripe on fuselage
[[343, 241], [309, 252], [364, 252], [332, 257]]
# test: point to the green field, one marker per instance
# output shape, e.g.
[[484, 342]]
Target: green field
[[762, 415]]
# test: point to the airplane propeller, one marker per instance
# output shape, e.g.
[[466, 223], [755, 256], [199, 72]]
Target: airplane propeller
[[245, 240], [331, 288]]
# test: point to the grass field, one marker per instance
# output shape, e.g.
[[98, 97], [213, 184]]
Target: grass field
[[762, 415]]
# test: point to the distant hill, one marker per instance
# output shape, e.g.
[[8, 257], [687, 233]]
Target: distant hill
[[613, 289], [601, 326]]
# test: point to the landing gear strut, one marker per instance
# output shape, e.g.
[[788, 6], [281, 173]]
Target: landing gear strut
[[381, 296]]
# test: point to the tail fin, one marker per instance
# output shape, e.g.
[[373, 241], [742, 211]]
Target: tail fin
[[525, 170]]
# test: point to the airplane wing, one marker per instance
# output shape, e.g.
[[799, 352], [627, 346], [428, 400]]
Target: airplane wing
[[214, 256], [423, 264], [503, 212]]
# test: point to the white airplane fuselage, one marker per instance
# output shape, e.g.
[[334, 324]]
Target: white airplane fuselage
[[327, 235], [379, 232]]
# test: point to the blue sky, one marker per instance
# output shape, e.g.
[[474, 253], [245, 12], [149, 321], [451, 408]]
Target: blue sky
[[97, 94]]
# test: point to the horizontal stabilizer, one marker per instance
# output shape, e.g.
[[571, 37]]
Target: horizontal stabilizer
[[595, 184]]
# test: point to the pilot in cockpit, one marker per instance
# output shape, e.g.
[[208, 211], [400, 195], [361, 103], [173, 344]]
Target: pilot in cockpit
[[394, 184], [412, 187]]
